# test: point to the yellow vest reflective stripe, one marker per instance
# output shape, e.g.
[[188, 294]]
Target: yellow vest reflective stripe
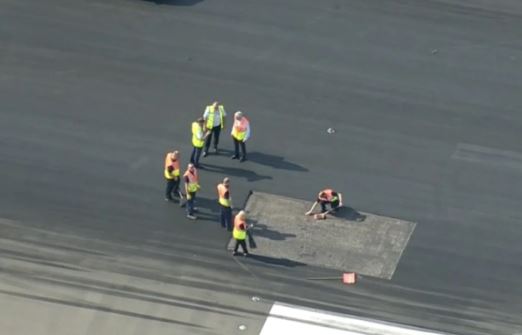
[[212, 114], [221, 192], [197, 131]]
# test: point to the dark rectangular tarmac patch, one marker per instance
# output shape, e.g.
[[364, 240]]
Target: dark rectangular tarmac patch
[[369, 247]]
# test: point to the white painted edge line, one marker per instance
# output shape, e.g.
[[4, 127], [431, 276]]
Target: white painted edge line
[[285, 318]]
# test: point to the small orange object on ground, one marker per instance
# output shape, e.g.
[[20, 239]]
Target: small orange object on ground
[[349, 278]]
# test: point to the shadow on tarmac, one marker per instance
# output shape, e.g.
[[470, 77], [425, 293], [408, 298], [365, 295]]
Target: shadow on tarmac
[[276, 162], [262, 230], [350, 214], [276, 261], [235, 172]]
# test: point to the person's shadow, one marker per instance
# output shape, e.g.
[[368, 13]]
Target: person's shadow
[[349, 213], [276, 162], [207, 209], [236, 172], [275, 261], [262, 230]]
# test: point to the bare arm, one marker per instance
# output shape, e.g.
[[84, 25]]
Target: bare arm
[[312, 209]]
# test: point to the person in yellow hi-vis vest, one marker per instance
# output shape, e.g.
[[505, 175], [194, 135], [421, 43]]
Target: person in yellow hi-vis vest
[[240, 134], [198, 140], [225, 203], [172, 175], [214, 116], [240, 233], [191, 179]]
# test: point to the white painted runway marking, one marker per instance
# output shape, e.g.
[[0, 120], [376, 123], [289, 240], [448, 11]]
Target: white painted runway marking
[[490, 156], [288, 319]]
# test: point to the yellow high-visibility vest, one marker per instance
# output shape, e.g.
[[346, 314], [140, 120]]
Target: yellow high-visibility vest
[[193, 181], [212, 114], [175, 165], [171, 175], [197, 131], [239, 129], [239, 234], [221, 193]]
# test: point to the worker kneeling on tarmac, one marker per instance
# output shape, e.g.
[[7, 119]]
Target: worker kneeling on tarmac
[[326, 197]]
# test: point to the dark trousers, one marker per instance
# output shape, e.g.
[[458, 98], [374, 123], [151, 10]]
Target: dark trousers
[[172, 188], [213, 132], [194, 157], [333, 204], [226, 217], [241, 243], [191, 196], [238, 144]]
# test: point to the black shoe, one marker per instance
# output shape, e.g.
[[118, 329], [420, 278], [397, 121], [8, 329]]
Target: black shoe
[[216, 151], [168, 199], [235, 253], [235, 157], [243, 159], [246, 254], [205, 154]]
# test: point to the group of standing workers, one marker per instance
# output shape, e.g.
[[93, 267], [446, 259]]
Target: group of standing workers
[[204, 129], [210, 125]]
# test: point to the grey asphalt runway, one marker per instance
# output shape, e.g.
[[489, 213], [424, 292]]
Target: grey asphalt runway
[[424, 97]]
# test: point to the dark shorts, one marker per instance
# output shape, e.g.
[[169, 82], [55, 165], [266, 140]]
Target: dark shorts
[[333, 204]]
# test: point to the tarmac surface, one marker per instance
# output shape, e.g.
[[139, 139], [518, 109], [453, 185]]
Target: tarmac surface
[[424, 98], [348, 241]]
